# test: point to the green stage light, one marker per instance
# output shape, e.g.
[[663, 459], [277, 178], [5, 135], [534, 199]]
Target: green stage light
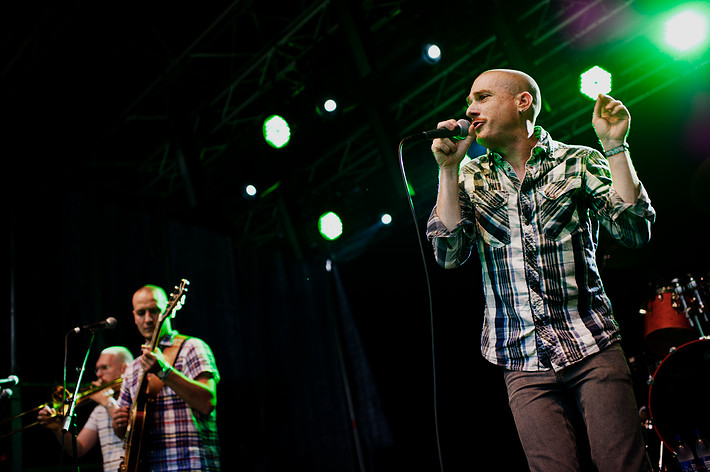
[[276, 131], [686, 30], [595, 81], [330, 226]]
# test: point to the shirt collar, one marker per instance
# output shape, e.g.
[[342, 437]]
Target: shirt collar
[[544, 148], [168, 339]]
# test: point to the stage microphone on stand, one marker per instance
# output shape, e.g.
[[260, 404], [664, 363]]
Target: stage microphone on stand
[[108, 323], [10, 381]]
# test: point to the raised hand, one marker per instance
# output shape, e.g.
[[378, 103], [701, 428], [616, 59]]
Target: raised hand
[[611, 121]]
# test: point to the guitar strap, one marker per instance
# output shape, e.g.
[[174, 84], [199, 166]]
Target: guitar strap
[[170, 353]]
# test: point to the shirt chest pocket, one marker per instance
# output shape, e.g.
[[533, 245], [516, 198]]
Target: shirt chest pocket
[[558, 208], [491, 209]]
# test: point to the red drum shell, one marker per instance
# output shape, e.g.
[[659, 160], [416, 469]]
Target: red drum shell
[[665, 326]]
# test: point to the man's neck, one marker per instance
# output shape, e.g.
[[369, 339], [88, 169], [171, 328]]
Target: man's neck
[[517, 153]]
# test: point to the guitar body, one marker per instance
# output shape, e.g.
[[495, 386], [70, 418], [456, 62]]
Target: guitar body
[[140, 412], [143, 405]]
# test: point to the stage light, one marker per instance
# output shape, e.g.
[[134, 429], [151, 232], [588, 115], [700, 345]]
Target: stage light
[[432, 53], [595, 81], [330, 226], [249, 191], [386, 219], [686, 30], [330, 105], [276, 131], [327, 107]]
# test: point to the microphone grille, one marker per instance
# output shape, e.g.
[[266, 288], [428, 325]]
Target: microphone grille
[[111, 322], [464, 125]]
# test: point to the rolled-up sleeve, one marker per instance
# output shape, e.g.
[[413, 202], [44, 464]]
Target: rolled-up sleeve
[[628, 223], [453, 248]]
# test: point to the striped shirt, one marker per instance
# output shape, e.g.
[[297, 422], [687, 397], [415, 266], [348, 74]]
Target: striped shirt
[[111, 445], [545, 305], [177, 438]]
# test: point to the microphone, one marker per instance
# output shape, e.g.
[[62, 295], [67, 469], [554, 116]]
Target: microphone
[[108, 323], [11, 381], [460, 132]]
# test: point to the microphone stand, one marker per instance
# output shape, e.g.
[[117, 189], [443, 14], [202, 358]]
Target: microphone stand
[[70, 418]]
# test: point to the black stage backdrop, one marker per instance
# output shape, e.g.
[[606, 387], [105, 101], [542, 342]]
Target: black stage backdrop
[[296, 392], [320, 371]]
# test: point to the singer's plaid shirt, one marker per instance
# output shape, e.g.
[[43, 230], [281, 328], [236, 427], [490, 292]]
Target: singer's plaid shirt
[[545, 306]]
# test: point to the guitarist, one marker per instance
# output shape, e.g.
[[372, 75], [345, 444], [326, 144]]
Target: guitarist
[[180, 428]]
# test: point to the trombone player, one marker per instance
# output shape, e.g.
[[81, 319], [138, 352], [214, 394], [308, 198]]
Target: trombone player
[[109, 367]]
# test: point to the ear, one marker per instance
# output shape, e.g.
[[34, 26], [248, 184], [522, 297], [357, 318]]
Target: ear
[[525, 101]]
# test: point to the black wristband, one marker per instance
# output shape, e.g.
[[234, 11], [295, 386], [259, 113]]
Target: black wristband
[[162, 374], [623, 147]]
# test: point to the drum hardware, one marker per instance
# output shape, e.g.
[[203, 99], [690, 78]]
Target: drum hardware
[[678, 296], [673, 315], [693, 288]]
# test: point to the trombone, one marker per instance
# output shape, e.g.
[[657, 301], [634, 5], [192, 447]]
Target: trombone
[[56, 403]]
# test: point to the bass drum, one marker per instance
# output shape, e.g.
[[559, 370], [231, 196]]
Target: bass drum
[[679, 397]]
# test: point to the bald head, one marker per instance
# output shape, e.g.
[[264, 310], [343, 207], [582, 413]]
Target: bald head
[[518, 82], [151, 292], [149, 303]]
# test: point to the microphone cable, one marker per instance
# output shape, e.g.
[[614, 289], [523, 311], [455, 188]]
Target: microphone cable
[[429, 295]]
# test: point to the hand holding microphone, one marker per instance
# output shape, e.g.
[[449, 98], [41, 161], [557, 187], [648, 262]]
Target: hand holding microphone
[[450, 152]]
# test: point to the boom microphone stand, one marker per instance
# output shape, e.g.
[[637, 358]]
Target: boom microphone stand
[[70, 418]]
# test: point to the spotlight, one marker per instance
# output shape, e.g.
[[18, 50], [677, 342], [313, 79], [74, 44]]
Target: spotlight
[[432, 53], [249, 191], [686, 30], [330, 226], [386, 218], [330, 105], [277, 132], [327, 107], [595, 81]]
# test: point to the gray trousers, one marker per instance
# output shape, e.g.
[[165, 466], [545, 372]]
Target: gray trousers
[[598, 390]]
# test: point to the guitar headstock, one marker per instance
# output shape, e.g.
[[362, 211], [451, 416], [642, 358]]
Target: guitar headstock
[[176, 300]]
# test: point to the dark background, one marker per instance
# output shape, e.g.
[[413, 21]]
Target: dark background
[[129, 130]]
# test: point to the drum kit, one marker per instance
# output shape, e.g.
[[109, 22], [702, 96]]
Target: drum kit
[[676, 330]]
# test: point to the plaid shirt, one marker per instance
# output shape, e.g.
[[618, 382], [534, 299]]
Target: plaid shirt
[[177, 437], [545, 305]]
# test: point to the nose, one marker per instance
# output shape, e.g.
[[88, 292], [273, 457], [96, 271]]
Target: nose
[[472, 111]]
